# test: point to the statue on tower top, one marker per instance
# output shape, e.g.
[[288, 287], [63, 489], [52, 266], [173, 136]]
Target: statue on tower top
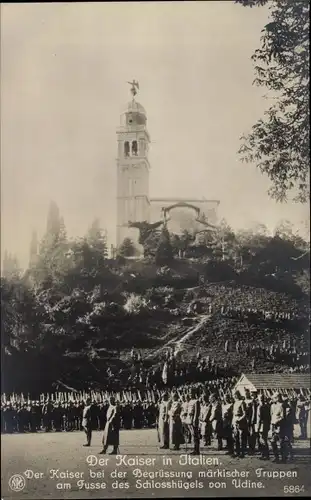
[[135, 85]]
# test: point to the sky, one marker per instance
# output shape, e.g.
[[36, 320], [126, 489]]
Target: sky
[[64, 69]]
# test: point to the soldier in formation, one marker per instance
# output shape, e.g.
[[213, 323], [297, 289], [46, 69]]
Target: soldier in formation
[[193, 417], [249, 424]]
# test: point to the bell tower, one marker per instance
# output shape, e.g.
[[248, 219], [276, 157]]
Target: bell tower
[[132, 169]]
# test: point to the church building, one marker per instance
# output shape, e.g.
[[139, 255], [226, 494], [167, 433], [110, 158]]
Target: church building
[[133, 169]]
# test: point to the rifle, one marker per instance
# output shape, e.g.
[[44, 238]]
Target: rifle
[[157, 425]]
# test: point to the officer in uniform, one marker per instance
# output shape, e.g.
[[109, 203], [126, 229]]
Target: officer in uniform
[[193, 421], [175, 425], [249, 412], [111, 435], [205, 427], [280, 411], [227, 415], [216, 419], [239, 424], [46, 415], [184, 417], [302, 409], [87, 421], [253, 434], [163, 425], [262, 426]]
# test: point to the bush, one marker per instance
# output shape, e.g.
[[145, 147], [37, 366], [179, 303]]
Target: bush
[[135, 304], [127, 248]]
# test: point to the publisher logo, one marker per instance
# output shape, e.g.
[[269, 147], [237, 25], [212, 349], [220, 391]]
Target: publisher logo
[[17, 482]]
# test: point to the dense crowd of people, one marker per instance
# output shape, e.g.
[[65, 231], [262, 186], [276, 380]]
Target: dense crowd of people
[[63, 411], [243, 424], [194, 416], [267, 304], [175, 368], [35, 416]]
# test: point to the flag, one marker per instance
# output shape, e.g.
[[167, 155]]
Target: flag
[[165, 373]]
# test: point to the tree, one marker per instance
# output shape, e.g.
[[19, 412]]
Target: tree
[[51, 263], [87, 265], [279, 143], [164, 252], [285, 231], [186, 239], [62, 234], [223, 241], [33, 252], [53, 223], [19, 317], [127, 248], [151, 244], [10, 266], [97, 239]]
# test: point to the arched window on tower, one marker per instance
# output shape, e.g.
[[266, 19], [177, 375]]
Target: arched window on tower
[[134, 148], [126, 148]]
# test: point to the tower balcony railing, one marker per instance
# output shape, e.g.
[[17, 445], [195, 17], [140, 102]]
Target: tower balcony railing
[[134, 154], [131, 128]]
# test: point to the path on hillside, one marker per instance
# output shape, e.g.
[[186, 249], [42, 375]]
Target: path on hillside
[[203, 319]]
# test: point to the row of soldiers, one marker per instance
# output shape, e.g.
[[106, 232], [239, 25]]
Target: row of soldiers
[[241, 424], [34, 416], [252, 313]]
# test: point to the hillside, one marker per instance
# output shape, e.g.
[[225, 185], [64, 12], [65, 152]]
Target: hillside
[[78, 323]]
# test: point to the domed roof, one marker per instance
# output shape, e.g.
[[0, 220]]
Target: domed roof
[[135, 107]]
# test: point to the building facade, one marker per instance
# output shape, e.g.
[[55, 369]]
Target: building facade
[[133, 169]]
